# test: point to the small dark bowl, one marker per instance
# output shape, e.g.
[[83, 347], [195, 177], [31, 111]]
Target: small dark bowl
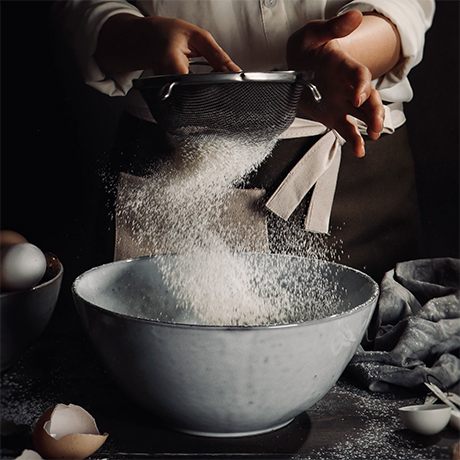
[[24, 316]]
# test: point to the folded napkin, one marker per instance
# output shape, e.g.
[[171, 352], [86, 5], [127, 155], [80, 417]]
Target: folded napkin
[[415, 332]]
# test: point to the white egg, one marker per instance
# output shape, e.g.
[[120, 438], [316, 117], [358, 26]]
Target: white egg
[[22, 266]]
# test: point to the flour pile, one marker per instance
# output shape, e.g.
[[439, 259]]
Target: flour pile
[[191, 207]]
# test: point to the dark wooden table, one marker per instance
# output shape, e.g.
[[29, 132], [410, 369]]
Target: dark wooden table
[[348, 423]]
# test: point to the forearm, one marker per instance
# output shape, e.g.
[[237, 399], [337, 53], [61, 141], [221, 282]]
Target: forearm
[[375, 43]]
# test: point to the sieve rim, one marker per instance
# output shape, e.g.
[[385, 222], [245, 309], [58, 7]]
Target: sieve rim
[[285, 76]]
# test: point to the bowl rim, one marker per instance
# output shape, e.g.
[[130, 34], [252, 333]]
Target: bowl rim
[[417, 408], [4, 295], [373, 298]]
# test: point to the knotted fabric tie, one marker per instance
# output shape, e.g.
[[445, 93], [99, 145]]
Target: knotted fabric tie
[[320, 167]]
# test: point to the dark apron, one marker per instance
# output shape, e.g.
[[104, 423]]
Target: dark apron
[[375, 219]]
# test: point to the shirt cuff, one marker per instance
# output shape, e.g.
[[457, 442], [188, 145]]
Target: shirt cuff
[[112, 84]]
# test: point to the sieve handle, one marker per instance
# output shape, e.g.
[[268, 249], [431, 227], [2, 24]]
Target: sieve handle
[[303, 79], [165, 90]]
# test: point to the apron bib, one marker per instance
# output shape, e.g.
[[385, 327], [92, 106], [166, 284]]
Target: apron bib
[[147, 224]]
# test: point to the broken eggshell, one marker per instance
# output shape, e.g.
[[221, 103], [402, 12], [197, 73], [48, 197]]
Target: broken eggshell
[[29, 455], [67, 431]]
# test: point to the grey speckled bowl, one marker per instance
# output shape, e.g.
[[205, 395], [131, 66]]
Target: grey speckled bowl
[[220, 380], [24, 316]]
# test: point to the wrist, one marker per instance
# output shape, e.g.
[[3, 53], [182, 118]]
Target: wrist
[[376, 44]]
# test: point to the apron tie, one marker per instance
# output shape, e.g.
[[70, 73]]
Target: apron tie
[[320, 167]]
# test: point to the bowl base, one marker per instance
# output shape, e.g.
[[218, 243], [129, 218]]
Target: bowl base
[[236, 434]]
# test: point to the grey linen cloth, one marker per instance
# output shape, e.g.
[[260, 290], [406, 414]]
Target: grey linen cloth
[[415, 331]]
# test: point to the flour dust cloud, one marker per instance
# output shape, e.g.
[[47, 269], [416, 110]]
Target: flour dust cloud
[[189, 207]]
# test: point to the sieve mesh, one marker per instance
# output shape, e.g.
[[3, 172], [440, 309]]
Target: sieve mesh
[[224, 104]]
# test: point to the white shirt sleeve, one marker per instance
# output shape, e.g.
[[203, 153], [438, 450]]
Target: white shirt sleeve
[[412, 18], [81, 22]]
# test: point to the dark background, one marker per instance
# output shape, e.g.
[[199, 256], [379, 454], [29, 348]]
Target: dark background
[[56, 133]]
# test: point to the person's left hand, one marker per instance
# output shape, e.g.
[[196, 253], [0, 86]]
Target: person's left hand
[[127, 43], [344, 83]]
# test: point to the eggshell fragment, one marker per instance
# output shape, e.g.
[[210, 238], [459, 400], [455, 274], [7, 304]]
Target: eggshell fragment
[[29, 455], [53, 267], [455, 452], [67, 431]]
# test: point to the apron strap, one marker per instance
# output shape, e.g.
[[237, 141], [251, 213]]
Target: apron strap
[[320, 166]]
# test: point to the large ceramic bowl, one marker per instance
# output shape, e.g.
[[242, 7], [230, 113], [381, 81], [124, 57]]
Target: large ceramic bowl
[[24, 316], [223, 380]]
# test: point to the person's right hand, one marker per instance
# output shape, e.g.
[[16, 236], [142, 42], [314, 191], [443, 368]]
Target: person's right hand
[[127, 43], [343, 81]]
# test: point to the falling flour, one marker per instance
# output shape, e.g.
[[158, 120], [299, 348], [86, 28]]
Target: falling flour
[[181, 209]]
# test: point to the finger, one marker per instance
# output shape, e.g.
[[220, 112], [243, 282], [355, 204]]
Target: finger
[[205, 45], [374, 112], [354, 79], [373, 135], [350, 133], [359, 79]]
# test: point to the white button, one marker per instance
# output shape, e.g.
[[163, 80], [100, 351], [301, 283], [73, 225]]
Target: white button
[[270, 3]]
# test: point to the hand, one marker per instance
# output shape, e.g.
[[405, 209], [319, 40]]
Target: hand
[[127, 43], [344, 82]]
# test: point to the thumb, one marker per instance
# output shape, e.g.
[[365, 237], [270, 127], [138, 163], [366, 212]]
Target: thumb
[[337, 27]]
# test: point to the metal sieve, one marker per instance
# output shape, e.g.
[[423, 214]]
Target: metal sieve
[[257, 105]]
